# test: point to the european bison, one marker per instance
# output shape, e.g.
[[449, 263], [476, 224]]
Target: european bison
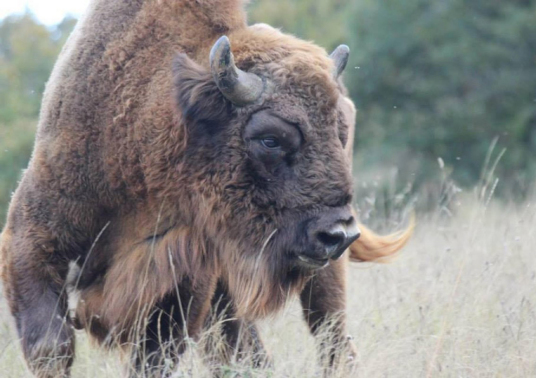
[[171, 176]]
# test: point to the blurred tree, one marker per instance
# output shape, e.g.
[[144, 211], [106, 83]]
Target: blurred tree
[[321, 20], [443, 79], [28, 51], [16, 143]]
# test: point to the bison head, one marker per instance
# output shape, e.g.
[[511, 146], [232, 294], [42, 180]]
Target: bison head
[[265, 152]]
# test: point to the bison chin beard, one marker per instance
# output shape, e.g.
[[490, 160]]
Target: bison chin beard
[[262, 279]]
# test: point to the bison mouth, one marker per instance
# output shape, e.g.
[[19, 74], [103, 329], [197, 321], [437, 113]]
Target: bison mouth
[[311, 262], [311, 240]]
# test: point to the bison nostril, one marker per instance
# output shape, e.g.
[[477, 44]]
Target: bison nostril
[[331, 239], [349, 221]]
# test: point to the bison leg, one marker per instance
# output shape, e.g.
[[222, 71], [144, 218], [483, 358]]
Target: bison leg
[[161, 343], [324, 304], [177, 319], [238, 340], [35, 287]]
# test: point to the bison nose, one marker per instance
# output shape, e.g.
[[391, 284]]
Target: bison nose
[[332, 239], [339, 237]]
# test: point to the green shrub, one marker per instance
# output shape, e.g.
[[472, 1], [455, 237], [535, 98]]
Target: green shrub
[[16, 142]]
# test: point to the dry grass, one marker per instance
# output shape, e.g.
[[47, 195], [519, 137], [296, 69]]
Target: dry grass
[[458, 302]]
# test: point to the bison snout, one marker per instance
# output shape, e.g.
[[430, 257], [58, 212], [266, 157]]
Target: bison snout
[[337, 240], [329, 236]]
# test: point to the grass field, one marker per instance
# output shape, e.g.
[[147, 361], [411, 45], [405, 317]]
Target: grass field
[[458, 302]]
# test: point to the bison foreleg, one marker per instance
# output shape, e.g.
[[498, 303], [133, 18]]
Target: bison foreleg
[[158, 352], [35, 288], [177, 320], [238, 340], [324, 304]]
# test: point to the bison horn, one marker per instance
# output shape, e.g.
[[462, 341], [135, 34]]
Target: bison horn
[[340, 58], [239, 87]]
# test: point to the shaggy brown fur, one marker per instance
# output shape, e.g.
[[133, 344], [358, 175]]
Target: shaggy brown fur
[[141, 176]]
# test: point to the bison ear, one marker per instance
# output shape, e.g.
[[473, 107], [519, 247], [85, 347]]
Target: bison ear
[[196, 94]]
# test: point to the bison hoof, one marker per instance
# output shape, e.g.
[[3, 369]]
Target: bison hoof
[[50, 355]]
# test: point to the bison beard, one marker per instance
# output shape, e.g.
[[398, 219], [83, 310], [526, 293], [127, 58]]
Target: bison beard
[[175, 185]]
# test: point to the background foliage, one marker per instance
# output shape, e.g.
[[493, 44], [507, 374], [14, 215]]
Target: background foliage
[[431, 78]]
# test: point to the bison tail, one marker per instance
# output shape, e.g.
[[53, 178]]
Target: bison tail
[[381, 249]]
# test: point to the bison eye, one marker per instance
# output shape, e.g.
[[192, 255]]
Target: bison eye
[[270, 142]]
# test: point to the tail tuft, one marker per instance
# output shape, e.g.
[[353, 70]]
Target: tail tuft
[[376, 248]]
